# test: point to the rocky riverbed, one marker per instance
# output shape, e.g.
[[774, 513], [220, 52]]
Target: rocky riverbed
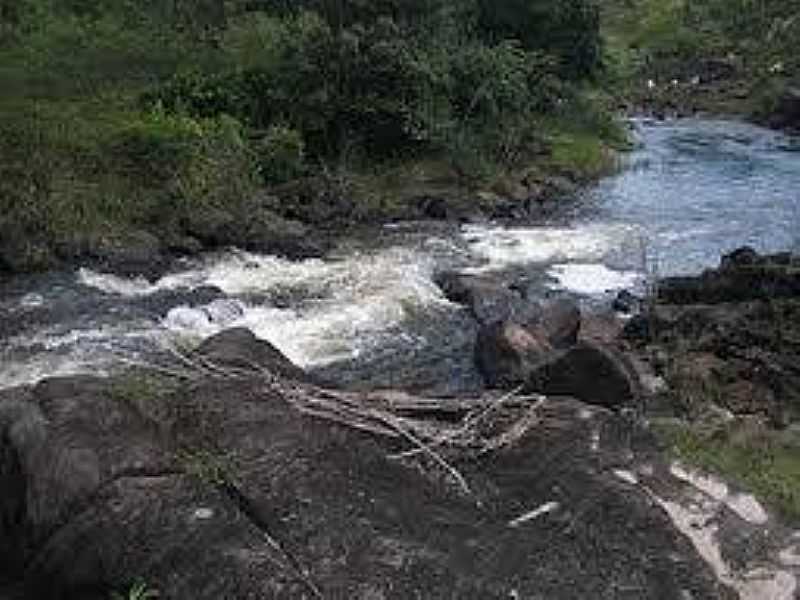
[[230, 473]]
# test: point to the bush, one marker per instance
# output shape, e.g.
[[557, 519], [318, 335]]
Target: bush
[[281, 154], [158, 145]]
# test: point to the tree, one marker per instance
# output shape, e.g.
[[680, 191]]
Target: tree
[[567, 29]]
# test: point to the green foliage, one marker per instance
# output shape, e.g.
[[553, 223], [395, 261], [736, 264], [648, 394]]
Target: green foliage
[[138, 591], [208, 467], [133, 114], [158, 145], [567, 29], [766, 463], [281, 154], [668, 34], [183, 162], [580, 155]]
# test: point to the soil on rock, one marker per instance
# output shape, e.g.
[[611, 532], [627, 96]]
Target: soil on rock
[[236, 485]]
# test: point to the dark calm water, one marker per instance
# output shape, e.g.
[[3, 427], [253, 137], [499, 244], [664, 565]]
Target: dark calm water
[[370, 315]]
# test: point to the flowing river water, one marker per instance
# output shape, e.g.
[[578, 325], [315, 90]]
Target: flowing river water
[[370, 315]]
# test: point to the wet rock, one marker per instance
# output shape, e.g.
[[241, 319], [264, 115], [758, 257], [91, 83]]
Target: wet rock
[[627, 303], [212, 226], [506, 352], [743, 276], [745, 256], [561, 322], [253, 226], [489, 299], [265, 231], [124, 252], [591, 372], [20, 254], [787, 110], [742, 320], [647, 326], [182, 245], [240, 349], [439, 208], [237, 494], [162, 301], [601, 327]]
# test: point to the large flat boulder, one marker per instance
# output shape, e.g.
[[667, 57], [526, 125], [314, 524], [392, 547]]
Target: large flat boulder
[[250, 486]]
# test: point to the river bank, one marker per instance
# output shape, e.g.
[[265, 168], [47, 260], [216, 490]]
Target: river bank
[[307, 217], [275, 127]]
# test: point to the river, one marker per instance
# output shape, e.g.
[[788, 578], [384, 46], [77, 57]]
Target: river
[[370, 315]]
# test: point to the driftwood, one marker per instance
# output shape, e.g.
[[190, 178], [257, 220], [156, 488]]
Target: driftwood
[[442, 429]]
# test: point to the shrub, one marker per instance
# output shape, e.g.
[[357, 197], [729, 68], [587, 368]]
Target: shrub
[[183, 162], [281, 154]]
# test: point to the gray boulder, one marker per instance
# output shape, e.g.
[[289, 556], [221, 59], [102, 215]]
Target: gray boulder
[[589, 371], [488, 298], [506, 353], [239, 349], [561, 322]]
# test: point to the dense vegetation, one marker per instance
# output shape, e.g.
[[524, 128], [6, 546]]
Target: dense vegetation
[[135, 116], [744, 51]]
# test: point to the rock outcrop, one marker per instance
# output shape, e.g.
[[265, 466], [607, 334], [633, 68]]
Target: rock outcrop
[[590, 372], [743, 275], [237, 485], [786, 113], [730, 336], [539, 348], [507, 352], [488, 298]]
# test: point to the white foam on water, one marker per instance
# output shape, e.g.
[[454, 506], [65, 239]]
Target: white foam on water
[[28, 372], [31, 300], [112, 284], [132, 287], [55, 353], [349, 304], [499, 247], [592, 279]]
